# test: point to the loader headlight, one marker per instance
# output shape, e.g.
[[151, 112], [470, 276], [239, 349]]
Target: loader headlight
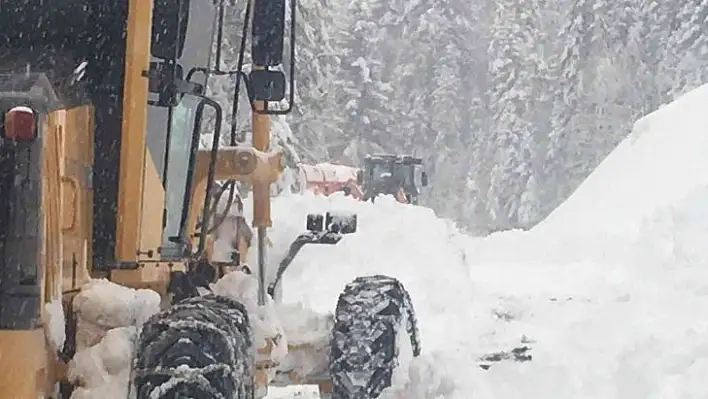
[[341, 223]]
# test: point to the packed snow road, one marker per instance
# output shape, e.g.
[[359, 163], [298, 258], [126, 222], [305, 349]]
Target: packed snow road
[[602, 316]]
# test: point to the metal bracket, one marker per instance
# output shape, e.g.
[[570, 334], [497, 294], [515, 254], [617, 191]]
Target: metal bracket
[[323, 237]]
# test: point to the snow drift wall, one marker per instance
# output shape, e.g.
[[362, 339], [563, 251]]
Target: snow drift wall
[[663, 159]]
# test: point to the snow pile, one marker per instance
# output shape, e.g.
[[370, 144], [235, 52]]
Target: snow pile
[[607, 290], [605, 318], [660, 162], [404, 241], [264, 320], [102, 371], [675, 241], [289, 325], [108, 318], [56, 333], [308, 335]]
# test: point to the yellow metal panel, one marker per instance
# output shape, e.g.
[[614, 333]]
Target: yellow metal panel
[[77, 206], [268, 167], [261, 188], [24, 364], [152, 275], [153, 205], [132, 149], [52, 205]]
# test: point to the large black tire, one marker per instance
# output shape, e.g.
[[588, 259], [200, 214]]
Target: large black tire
[[364, 351], [211, 337]]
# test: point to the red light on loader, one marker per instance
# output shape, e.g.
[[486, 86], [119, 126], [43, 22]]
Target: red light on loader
[[19, 124]]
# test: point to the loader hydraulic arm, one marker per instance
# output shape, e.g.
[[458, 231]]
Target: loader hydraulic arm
[[255, 164]]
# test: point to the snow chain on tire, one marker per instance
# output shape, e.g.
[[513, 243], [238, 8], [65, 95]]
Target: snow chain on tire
[[201, 348], [364, 351]]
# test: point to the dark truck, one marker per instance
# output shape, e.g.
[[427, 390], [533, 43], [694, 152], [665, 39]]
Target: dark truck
[[391, 174]]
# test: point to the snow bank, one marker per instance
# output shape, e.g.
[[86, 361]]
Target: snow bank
[[660, 162], [264, 320], [56, 333], [293, 324], [675, 240], [103, 370], [108, 318], [404, 241]]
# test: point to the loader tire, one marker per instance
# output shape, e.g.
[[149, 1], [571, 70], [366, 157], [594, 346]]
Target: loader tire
[[201, 347], [364, 344]]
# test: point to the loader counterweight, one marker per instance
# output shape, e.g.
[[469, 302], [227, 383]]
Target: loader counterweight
[[29, 223]]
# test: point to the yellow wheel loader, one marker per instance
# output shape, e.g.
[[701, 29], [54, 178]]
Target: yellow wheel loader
[[102, 178]]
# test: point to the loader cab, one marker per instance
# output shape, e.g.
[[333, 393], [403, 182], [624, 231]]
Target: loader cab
[[180, 42], [382, 170], [378, 166], [380, 175], [406, 167], [132, 72]]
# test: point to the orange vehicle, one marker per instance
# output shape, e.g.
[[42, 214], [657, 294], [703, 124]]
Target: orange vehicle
[[382, 174], [327, 178]]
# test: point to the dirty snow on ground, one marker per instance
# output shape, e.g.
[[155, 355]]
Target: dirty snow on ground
[[608, 292]]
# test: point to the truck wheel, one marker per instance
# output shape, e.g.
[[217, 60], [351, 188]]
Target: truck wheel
[[371, 314], [201, 347]]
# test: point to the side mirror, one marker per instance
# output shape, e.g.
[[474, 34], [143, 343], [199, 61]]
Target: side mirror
[[161, 81], [315, 223], [169, 28], [268, 32], [360, 177], [424, 179], [167, 81], [267, 85]]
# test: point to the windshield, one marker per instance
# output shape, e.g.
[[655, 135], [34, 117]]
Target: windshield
[[380, 170], [178, 151], [403, 174]]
